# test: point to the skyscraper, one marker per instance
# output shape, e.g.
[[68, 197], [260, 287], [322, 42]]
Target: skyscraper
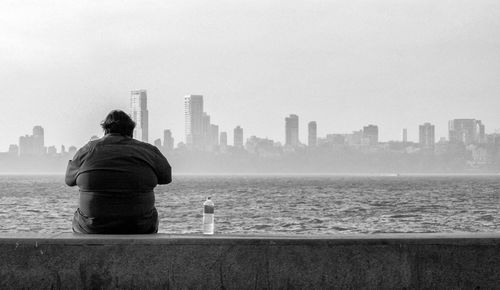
[[223, 139], [426, 136], [214, 135], [38, 140], [139, 113], [292, 130], [370, 133], [466, 131], [238, 137], [168, 140], [193, 120], [205, 131], [313, 135], [405, 135]]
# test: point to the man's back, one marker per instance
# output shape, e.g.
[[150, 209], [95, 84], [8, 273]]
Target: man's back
[[116, 176], [116, 163]]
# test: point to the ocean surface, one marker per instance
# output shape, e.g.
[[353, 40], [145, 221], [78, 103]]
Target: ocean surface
[[288, 205]]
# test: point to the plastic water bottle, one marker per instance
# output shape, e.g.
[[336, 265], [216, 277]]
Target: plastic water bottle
[[208, 217]]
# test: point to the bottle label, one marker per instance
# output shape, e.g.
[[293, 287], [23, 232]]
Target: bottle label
[[208, 209], [208, 219]]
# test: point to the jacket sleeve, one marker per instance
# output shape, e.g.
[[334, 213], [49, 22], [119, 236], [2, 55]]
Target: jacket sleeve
[[163, 168], [74, 165]]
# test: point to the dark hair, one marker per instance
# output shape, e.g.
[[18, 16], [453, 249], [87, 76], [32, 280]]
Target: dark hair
[[118, 121]]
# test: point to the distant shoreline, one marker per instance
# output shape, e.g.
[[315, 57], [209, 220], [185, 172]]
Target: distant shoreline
[[291, 174]]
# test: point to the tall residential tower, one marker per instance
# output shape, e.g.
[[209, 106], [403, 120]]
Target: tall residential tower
[[312, 134], [238, 137], [292, 130], [194, 120], [139, 113], [466, 131], [426, 136]]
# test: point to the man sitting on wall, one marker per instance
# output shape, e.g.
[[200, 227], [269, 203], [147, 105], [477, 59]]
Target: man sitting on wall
[[116, 175]]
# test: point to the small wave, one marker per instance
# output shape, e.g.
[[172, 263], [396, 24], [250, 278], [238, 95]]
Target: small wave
[[487, 218], [261, 227], [287, 225], [401, 216], [340, 229]]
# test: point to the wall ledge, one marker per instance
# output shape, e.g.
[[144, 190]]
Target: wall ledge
[[162, 261], [414, 238]]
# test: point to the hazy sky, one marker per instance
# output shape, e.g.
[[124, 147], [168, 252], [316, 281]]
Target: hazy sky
[[345, 64]]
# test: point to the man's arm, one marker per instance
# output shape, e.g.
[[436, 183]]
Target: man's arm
[[71, 173], [74, 166], [163, 168]]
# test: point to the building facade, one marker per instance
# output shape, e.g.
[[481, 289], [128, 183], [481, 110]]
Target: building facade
[[466, 131], [223, 139], [426, 136], [312, 129], [140, 115], [168, 140], [292, 130], [33, 145], [193, 120], [370, 134], [214, 135], [238, 137]]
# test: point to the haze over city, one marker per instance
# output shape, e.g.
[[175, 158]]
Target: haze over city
[[344, 64]]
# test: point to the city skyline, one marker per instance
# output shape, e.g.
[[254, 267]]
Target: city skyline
[[201, 134], [341, 64], [138, 104]]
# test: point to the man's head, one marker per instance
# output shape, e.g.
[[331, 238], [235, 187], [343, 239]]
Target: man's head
[[118, 122]]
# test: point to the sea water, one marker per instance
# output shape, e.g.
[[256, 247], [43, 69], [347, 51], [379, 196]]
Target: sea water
[[302, 205]]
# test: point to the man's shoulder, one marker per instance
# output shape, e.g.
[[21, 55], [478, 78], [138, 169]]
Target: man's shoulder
[[115, 140], [141, 144]]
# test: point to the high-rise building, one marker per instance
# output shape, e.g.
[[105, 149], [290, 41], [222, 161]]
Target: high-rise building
[[25, 145], [223, 139], [214, 135], [38, 140], [238, 137], [312, 134], [426, 136], [33, 144], [193, 120], [139, 113], [370, 134], [292, 130], [466, 131], [168, 140], [205, 131], [405, 135], [157, 143]]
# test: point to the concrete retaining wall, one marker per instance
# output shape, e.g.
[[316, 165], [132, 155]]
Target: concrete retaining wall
[[68, 261]]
